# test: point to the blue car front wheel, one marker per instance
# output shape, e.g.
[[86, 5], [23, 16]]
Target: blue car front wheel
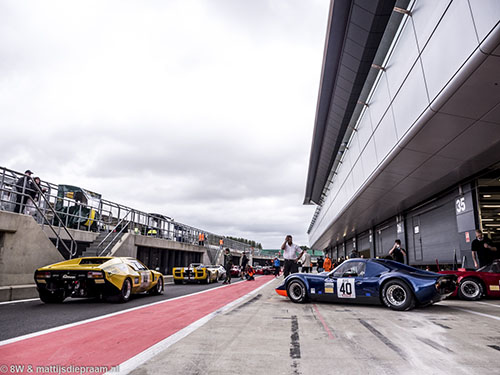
[[296, 291]]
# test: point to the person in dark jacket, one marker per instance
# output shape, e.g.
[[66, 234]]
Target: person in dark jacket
[[244, 262], [228, 264], [320, 262], [24, 187], [482, 250]]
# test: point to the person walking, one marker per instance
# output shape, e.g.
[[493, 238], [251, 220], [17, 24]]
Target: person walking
[[228, 264], [397, 252], [290, 251], [277, 267], [482, 250]]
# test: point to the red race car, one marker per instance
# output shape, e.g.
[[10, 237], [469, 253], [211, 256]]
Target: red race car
[[472, 285]]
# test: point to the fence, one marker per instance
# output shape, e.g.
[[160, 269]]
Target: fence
[[66, 206]]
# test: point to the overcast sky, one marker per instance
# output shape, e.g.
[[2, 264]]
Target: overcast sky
[[200, 110]]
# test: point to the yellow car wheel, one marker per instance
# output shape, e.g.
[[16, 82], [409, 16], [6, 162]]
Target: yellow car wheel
[[158, 288], [126, 291]]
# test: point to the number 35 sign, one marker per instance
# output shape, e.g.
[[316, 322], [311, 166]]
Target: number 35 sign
[[460, 205], [345, 288]]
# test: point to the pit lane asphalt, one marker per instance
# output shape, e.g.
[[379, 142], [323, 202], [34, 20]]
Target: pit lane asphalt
[[268, 334], [21, 318]]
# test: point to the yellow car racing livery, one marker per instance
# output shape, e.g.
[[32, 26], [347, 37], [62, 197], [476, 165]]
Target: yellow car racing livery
[[195, 272], [111, 277]]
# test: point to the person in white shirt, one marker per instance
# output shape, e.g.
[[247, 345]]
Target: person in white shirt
[[290, 251]]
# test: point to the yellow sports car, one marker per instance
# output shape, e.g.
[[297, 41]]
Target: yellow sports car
[[111, 277], [195, 272]]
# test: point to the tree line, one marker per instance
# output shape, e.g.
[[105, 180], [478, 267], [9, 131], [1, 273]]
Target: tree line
[[248, 242]]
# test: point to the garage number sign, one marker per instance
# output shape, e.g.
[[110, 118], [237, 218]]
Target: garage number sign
[[460, 205], [345, 288]]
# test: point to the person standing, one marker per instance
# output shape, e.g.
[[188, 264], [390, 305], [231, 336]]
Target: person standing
[[327, 264], [306, 262], [482, 250], [277, 266], [201, 239], [397, 252], [290, 251], [320, 264], [24, 186], [228, 264], [244, 262]]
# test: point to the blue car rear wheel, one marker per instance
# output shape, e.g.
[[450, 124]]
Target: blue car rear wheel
[[397, 295]]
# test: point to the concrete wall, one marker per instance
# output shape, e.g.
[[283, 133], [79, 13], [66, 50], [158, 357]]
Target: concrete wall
[[24, 247], [78, 235]]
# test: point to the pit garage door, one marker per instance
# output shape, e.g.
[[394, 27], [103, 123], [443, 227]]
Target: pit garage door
[[385, 235], [432, 233], [364, 244]]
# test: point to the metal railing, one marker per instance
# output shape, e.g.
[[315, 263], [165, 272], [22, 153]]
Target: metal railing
[[100, 215], [38, 207]]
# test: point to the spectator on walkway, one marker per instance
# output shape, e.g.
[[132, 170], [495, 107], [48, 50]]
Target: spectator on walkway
[[290, 251], [482, 250], [327, 264], [201, 239], [397, 252], [34, 197], [277, 266], [228, 264], [23, 186]]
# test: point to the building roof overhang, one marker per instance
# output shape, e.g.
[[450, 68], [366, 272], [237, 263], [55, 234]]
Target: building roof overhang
[[355, 30]]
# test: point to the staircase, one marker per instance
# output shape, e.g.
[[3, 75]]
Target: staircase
[[94, 249]]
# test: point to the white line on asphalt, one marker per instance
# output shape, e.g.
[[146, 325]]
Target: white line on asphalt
[[19, 301], [489, 304], [477, 313], [39, 333], [134, 362]]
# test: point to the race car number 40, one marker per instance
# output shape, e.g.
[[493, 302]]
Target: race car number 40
[[345, 288]]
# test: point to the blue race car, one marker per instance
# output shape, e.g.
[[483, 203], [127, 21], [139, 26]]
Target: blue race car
[[370, 281]]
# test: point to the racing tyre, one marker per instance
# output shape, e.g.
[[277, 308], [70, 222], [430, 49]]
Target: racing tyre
[[398, 296], [47, 297], [296, 291], [207, 281], [158, 288], [470, 289], [126, 291]]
